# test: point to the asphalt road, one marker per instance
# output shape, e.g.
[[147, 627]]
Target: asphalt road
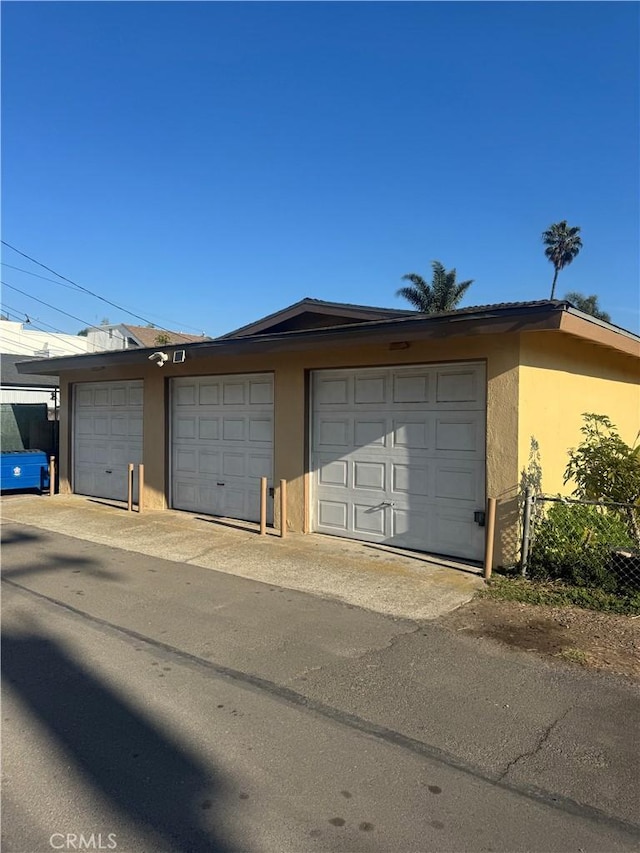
[[154, 706]]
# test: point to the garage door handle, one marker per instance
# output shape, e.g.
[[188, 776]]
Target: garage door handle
[[388, 503], [108, 472], [219, 484]]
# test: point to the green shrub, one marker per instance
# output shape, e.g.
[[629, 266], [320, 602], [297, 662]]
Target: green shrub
[[606, 468], [574, 543]]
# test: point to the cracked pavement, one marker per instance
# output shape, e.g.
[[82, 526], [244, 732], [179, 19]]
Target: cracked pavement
[[544, 737], [546, 733]]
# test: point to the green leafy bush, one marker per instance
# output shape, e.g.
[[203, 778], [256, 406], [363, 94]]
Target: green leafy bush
[[606, 468], [575, 543]]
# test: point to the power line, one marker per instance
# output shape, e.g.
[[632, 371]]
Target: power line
[[32, 321], [21, 347], [53, 307], [35, 275], [50, 344], [48, 305], [11, 311], [75, 284], [70, 287], [18, 314], [29, 321]]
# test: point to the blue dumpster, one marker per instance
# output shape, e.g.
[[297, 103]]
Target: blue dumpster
[[24, 469]]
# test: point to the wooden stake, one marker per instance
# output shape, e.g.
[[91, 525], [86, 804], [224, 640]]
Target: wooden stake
[[491, 526], [283, 508], [140, 487], [130, 486], [263, 506]]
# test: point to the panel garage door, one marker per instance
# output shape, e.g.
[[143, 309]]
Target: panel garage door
[[107, 435], [222, 443], [398, 456]]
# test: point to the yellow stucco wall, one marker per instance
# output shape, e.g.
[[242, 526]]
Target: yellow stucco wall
[[499, 352], [560, 378], [538, 385]]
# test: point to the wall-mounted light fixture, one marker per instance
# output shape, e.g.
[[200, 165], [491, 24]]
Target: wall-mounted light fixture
[[159, 357]]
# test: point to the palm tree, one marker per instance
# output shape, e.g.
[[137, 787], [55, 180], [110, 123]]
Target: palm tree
[[563, 245], [443, 294], [587, 304]]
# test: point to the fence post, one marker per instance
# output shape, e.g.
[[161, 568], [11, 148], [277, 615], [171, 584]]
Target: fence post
[[52, 476], [490, 533], [140, 487], [526, 530], [283, 508], [130, 486], [263, 506]]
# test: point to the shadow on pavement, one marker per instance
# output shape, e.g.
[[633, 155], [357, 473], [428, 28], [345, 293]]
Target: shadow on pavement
[[57, 562], [150, 778], [469, 567], [16, 537], [242, 526], [120, 505]]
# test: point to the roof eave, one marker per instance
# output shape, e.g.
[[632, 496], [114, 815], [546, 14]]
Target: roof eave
[[314, 306], [499, 321], [599, 332]]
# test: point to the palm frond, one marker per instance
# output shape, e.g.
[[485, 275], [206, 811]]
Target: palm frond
[[415, 279], [413, 296], [563, 243], [443, 294]]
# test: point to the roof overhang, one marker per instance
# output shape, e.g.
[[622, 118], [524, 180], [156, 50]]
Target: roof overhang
[[45, 385], [489, 320], [599, 333], [340, 311]]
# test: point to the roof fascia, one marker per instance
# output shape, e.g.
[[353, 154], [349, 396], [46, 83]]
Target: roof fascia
[[598, 332], [499, 321], [308, 306], [269, 320], [18, 386]]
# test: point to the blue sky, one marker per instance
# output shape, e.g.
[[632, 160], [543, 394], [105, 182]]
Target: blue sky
[[204, 164]]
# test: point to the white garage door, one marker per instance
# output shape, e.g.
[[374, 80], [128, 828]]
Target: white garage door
[[107, 435], [222, 443], [398, 456]]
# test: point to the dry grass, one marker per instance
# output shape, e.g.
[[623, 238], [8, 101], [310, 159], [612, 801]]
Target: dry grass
[[602, 641]]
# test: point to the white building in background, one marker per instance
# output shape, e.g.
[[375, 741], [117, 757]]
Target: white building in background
[[20, 342], [19, 339], [116, 336]]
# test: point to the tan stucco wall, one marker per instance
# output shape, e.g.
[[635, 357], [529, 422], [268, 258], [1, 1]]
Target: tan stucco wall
[[560, 378], [500, 352]]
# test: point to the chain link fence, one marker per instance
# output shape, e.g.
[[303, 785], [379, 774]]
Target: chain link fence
[[582, 543]]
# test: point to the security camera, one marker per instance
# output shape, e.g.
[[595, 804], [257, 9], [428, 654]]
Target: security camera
[[159, 358]]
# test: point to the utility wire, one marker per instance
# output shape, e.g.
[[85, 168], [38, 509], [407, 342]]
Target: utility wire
[[29, 321], [35, 275], [11, 311], [72, 287], [52, 346], [79, 286], [15, 340], [53, 307], [48, 305], [12, 339]]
